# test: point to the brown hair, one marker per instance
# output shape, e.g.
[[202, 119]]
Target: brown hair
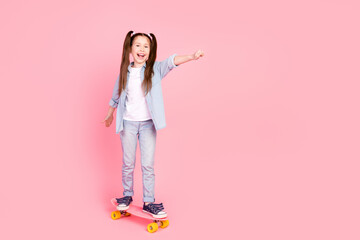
[[125, 61]]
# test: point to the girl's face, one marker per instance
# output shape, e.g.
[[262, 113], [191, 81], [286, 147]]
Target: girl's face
[[140, 49]]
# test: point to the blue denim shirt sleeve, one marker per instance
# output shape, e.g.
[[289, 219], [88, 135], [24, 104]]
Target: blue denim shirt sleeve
[[165, 66], [114, 101]]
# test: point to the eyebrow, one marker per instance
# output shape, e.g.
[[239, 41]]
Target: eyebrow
[[140, 43]]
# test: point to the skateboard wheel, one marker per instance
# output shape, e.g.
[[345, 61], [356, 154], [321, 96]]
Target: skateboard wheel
[[127, 214], [164, 224], [152, 227], [115, 215]]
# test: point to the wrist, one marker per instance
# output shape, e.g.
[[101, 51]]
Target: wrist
[[111, 111]]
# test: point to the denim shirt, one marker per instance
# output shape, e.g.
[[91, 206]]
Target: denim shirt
[[154, 98]]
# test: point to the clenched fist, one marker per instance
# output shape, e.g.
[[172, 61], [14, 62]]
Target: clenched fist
[[198, 54]]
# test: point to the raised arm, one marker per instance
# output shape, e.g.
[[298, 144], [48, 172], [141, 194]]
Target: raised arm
[[186, 58]]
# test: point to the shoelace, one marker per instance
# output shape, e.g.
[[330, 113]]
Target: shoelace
[[125, 200], [156, 208]]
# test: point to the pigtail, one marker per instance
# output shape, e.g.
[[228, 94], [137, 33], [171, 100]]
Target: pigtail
[[125, 62], [149, 70]]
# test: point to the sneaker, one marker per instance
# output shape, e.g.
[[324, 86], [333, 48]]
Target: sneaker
[[155, 210], [123, 203]]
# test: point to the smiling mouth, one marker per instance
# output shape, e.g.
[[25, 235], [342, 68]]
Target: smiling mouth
[[141, 55]]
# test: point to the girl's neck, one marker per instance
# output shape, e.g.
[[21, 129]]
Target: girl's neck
[[137, 65]]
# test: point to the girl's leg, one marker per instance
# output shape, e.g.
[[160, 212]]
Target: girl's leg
[[147, 141], [128, 142]]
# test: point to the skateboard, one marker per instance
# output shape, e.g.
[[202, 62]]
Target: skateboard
[[138, 211]]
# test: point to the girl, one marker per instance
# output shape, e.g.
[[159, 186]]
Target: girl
[[137, 95]]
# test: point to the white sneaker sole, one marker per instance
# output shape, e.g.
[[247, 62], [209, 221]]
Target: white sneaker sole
[[122, 208]]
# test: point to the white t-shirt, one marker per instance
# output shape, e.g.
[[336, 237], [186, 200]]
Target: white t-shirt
[[136, 106]]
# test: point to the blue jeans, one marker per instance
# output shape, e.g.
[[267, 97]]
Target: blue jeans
[[146, 132]]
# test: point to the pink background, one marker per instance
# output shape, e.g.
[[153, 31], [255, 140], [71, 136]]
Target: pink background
[[262, 137]]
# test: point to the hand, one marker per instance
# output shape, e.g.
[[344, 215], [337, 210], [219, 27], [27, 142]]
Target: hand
[[198, 54], [108, 120]]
